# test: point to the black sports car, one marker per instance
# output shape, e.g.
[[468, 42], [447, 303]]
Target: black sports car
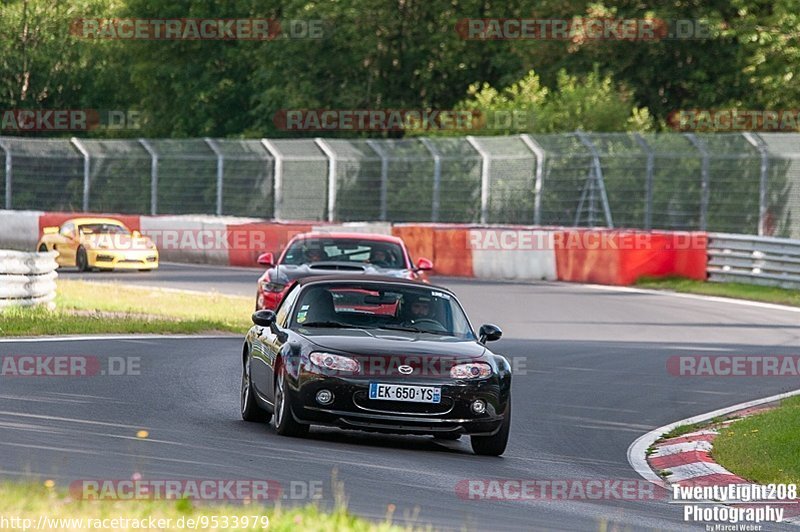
[[373, 354]]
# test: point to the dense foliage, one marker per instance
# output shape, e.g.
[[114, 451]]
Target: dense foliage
[[397, 54]]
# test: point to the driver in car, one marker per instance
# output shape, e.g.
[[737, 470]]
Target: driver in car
[[420, 308], [314, 254], [379, 258]]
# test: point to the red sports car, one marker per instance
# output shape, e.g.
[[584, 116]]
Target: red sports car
[[310, 254]]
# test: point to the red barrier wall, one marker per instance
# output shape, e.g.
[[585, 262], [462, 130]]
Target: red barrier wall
[[622, 257], [245, 247], [445, 245], [603, 256], [452, 256]]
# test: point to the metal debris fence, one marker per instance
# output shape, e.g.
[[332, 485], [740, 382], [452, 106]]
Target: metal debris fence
[[745, 183]]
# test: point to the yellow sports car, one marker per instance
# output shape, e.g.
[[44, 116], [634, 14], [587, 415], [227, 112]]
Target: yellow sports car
[[99, 243]]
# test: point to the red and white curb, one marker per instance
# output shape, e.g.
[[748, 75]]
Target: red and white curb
[[688, 461], [687, 458]]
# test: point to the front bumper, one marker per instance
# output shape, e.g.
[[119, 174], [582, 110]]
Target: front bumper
[[352, 408], [123, 260]]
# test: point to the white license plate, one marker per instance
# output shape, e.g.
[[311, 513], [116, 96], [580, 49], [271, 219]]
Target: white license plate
[[402, 392]]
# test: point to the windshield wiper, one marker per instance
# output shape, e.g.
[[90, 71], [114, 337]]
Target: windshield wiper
[[330, 325]]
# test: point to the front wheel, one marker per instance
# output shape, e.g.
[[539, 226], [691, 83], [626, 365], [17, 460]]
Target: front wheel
[[250, 409], [493, 445], [81, 260], [285, 424]]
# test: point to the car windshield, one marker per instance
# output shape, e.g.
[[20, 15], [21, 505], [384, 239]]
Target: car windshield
[[375, 253], [415, 309], [103, 228]]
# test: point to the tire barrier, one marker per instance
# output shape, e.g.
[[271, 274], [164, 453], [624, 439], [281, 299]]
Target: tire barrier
[[27, 278]]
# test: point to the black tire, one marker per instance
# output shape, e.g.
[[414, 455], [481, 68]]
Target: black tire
[[493, 445], [285, 424], [43, 249], [250, 409], [81, 260]]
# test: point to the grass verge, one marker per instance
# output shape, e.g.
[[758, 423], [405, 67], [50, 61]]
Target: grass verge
[[34, 502], [766, 294], [765, 447], [101, 308]]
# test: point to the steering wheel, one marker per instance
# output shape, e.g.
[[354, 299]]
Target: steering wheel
[[438, 327]]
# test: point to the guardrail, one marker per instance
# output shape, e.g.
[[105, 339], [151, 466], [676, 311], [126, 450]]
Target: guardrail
[[27, 279], [751, 259]]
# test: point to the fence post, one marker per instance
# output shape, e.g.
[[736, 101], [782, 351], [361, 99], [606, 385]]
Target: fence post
[[7, 151], [153, 175], [277, 181], [538, 151], [220, 170], [332, 164], [598, 177], [704, 188], [86, 170], [759, 144], [485, 183], [648, 183], [437, 177], [377, 148]]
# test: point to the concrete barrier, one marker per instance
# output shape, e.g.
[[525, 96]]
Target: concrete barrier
[[528, 258], [27, 278], [514, 253]]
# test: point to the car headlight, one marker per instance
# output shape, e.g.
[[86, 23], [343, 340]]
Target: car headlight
[[269, 286], [335, 362], [472, 370]]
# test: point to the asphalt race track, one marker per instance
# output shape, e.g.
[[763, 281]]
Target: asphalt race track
[[592, 378]]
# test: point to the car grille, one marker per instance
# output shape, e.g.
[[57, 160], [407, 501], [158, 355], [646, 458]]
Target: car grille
[[362, 400]]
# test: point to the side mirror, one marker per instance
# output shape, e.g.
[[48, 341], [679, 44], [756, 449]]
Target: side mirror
[[266, 259], [489, 333], [424, 264], [263, 318], [50, 230]]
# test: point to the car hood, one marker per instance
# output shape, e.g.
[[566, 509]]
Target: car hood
[[285, 274], [382, 342]]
